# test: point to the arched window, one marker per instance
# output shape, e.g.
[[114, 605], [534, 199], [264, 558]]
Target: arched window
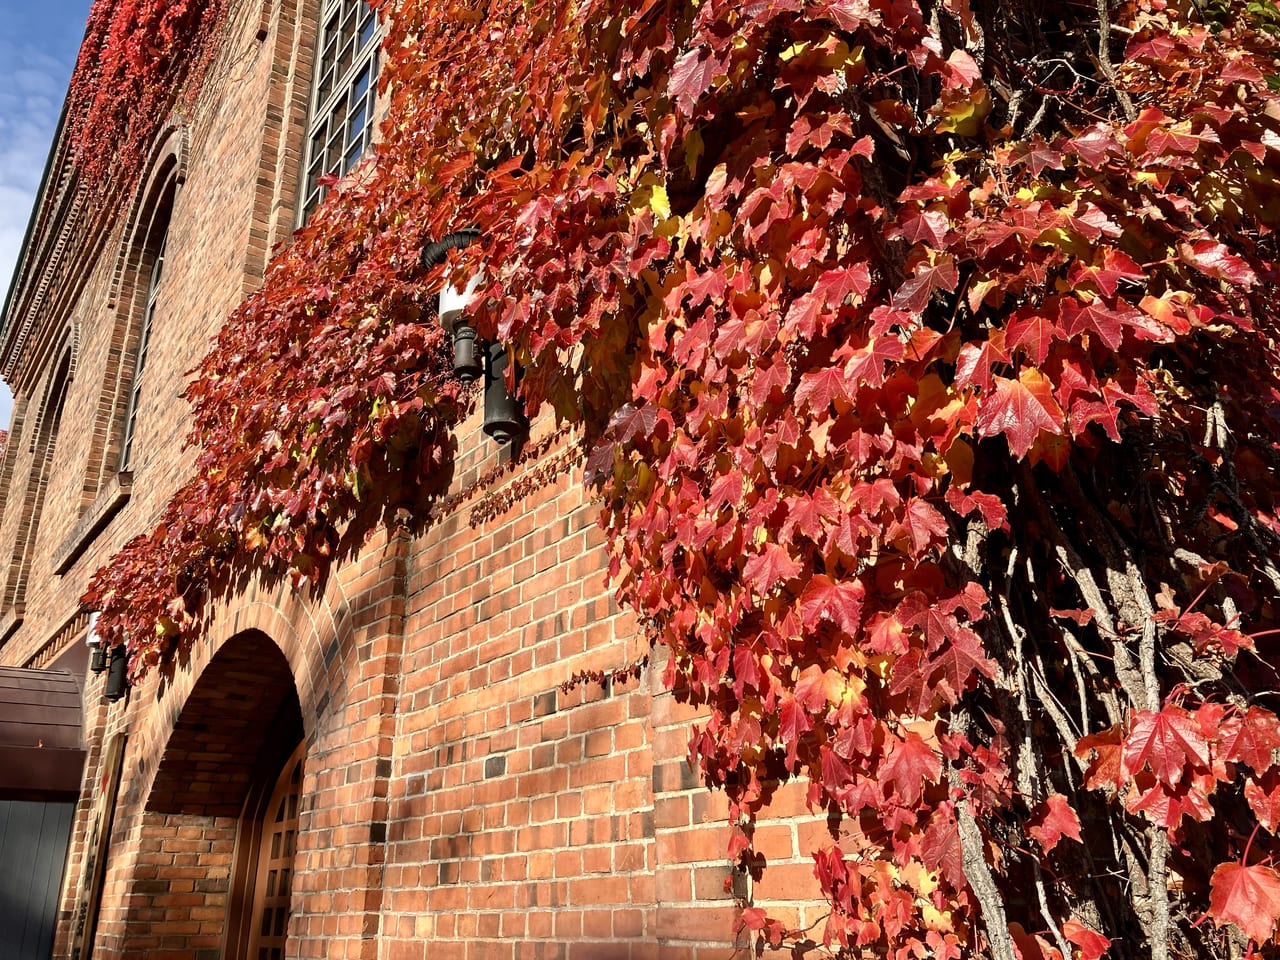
[[342, 100], [151, 266], [43, 442]]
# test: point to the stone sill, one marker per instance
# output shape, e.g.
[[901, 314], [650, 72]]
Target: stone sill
[[93, 521]]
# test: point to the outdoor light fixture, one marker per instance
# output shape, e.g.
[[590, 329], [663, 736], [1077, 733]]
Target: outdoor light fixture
[[117, 685], [450, 304], [466, 350], [503, 418], [97, 652]]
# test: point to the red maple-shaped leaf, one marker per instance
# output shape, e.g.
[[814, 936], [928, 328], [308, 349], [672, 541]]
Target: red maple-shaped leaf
[[922, 523], [1020, 409], [915, 291], [771, 565], [835, 285], [1053, 820], [992, 508], [1216, 260], [1038, 156], [818, 390], [1105, 768], [952, 667], [1205, 634], [1169, 743], [1165, 806], [839, 602], [973, 365], [1253, 740], [809, 515], [1093, 945], [1264, 799], [1033, 333], [1116, 266], [1108, 324], [630, 421], [1249, 897], [930, 226], [911, 767], [793, 720], [940, 846], [691, 76], [1096, 145], [868, 364]]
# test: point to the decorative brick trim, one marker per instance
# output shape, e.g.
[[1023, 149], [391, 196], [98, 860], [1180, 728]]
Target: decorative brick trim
[[166, 171], [52, 648], [42, 447], [69, 350]]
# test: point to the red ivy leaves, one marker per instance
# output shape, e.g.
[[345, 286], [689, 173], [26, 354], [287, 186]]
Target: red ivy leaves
[[1020, 409], [1168, 743], [1053, 820], [1247, 896], [1092, 944], [864, 373], [134, 60]]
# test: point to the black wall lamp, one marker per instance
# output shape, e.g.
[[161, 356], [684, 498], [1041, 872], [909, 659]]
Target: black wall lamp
[[504, 420], [466, 355], [117, 681]]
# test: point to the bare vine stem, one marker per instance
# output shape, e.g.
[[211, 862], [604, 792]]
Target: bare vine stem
[[978, 873], [1104, 59], [1030, 781]]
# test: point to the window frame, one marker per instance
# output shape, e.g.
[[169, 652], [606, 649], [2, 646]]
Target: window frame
[[155, 273], [340, 121]]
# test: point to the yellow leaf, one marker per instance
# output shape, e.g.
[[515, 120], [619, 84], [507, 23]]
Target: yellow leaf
[[960, 461], [659, 203], [881, 665], [965, 116], [794, 51]]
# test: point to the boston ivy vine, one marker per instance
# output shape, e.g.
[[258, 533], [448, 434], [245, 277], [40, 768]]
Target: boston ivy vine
[[926, 356], [134, 59]]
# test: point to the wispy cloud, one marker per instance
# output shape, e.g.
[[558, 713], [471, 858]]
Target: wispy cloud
[[38, 43]]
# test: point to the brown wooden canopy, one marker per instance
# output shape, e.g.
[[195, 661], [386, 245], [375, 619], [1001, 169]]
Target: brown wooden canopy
[[41, 754]]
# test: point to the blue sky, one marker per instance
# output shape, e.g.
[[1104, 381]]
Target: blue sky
[[38, 44]]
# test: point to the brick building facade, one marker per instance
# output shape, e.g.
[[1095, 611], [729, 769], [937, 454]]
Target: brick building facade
[[387, 767]]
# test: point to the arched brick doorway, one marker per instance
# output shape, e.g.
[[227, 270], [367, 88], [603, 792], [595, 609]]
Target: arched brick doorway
[[238, 738]]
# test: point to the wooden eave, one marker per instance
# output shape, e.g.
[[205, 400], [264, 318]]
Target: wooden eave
[[41, 741]]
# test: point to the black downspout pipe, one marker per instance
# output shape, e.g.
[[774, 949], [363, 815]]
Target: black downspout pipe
[[433, 253]]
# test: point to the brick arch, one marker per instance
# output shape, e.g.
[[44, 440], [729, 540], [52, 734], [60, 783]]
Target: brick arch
[[168, 161], [236, 723], [307, 631], [42, 444], [243, 697]]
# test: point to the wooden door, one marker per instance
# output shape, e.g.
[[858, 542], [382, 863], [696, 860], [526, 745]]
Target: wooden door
[[269, 923]]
